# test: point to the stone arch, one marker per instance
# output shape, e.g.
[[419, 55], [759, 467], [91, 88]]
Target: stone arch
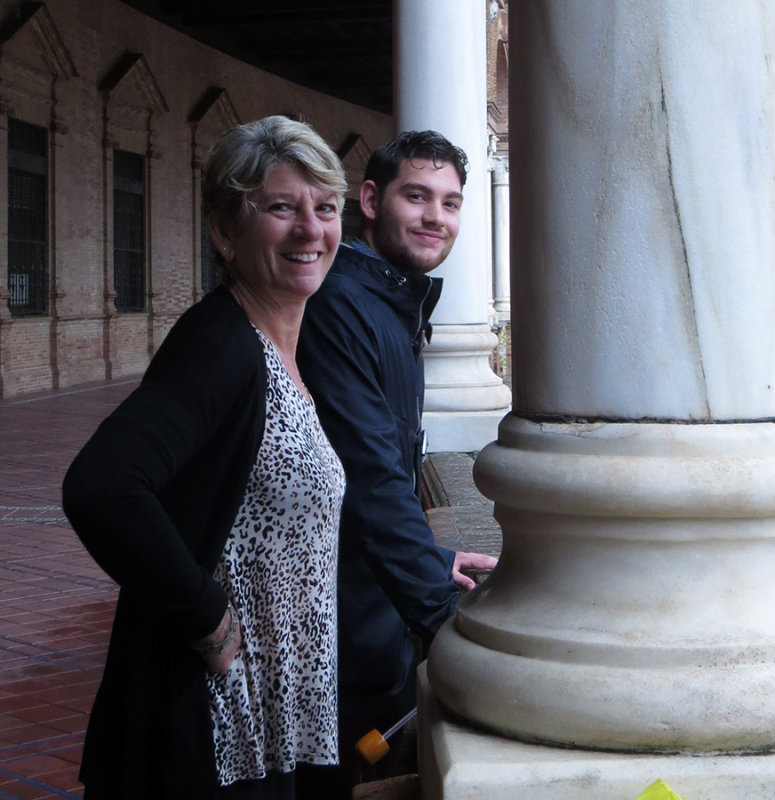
[[212, 115]]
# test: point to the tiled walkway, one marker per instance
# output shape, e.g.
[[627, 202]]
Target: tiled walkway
[[55, 604]]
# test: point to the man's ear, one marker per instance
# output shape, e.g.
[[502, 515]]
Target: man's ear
[[369, 199]]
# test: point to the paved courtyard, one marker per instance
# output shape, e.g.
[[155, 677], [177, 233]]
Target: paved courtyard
[[56, 606]]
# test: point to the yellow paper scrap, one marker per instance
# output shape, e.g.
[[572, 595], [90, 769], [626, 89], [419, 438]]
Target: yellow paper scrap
[[658, 790]]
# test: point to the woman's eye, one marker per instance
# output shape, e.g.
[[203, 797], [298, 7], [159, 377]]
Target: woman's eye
[[281, 208], [327, 210]]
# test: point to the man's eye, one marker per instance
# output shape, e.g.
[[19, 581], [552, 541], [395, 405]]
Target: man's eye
[[417, 197], [452, 204]]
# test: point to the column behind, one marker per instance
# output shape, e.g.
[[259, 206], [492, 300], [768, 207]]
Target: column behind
[[440, 83]]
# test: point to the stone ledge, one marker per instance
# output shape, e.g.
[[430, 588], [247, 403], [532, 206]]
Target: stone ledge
[[402, 787], [458, 762]]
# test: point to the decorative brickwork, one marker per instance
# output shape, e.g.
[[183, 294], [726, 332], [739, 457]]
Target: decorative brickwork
[[111, 78]]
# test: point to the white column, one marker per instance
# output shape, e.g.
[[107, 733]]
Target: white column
[[500, 239], [440, 80], [633, 608]]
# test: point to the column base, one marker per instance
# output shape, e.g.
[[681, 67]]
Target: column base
[[464, 399], [458, 762], [631, 608], [461, 431]]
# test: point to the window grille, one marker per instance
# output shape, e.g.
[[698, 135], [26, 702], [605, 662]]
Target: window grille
[[27, 239], [211, 269], [129, 230]]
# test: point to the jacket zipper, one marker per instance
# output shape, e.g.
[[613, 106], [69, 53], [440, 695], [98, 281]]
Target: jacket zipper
[[422, 305]]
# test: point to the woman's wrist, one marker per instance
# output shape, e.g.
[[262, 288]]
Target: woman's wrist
[[222, 637]]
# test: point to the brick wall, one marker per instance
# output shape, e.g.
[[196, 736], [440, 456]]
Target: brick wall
[[98, 76]]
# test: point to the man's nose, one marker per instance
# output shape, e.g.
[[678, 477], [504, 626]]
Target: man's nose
[[433, 213]]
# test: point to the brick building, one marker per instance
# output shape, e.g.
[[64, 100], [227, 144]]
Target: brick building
[[106, 117]]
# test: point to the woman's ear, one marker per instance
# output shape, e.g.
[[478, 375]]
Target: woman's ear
[[369, 199], [220, 236]]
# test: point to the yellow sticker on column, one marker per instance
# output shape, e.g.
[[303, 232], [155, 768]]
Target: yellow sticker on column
[[658, 790]]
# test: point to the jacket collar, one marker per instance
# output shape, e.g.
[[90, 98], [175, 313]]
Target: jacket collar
[[411, 295]]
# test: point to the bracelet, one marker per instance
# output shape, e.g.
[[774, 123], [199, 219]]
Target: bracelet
[[219, 646]]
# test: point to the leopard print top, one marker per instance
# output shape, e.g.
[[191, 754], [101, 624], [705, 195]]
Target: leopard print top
[[276, 704]]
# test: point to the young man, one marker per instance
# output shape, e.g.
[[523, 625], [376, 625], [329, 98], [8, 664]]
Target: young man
[[360, 355]]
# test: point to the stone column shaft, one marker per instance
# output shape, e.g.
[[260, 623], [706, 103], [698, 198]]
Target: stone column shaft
[[632, 609], [440, 79], [500, 238]]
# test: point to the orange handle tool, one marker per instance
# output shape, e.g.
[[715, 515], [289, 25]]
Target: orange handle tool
[[373, 746]]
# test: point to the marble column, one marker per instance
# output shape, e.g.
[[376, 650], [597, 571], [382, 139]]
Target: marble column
[[500, 239], [440, 80], [633, 608]]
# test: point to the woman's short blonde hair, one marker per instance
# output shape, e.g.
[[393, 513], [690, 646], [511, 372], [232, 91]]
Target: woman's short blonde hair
[[242, 158]]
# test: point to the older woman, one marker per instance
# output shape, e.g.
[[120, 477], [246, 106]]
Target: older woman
[[212, 497]]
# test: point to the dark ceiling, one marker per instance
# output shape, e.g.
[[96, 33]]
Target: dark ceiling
[[341, 47]]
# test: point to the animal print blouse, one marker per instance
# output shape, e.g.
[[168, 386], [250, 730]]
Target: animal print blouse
[[276, 704]]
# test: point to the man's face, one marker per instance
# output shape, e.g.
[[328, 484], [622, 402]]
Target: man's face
[[415, 221]]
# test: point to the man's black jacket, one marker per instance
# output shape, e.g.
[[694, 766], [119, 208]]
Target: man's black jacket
[[360, 355]]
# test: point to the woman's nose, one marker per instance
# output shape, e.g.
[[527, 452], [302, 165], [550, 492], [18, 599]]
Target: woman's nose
[[308, 224]]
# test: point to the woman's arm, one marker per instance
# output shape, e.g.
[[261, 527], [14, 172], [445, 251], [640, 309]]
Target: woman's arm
[[127, 487]]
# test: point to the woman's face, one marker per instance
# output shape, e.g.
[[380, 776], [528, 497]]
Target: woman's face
[[288, 240]]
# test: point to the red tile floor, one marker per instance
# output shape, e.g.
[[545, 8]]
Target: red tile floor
[[56, 606]]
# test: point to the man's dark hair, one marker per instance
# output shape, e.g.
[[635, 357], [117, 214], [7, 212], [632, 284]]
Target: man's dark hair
[[385, 162]]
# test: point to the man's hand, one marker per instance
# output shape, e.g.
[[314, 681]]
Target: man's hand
[[477, 561]]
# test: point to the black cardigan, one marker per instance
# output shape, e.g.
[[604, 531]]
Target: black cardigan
[[153, 496]]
